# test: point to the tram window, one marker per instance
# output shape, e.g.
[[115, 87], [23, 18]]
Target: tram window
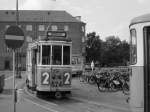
[[46, 55], [38, 54], [66, 57], [56, 53], [133, 47]]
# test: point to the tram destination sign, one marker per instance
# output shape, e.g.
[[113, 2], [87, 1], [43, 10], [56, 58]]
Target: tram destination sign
[[14, 37], [56, 34]]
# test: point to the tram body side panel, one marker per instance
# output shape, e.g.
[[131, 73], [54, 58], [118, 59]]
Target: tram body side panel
[[137, 87], [54, 79], [137, 75]]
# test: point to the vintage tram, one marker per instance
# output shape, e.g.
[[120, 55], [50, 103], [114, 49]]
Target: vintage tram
[[49, 64], [140, 63]]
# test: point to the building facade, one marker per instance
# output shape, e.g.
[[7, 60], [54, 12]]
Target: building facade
[[34, 24]]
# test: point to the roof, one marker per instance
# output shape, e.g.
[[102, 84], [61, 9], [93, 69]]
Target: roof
[[140, 19], [37, 16]]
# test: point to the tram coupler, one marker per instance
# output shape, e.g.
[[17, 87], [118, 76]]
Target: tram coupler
[[58, 95]]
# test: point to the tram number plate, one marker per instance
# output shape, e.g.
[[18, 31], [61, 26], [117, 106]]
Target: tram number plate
[[45, 78], [67, 78]]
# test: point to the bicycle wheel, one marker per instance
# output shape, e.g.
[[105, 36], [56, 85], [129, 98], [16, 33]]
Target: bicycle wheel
[[91, 80], [101, 87], [112, 87], [125, 89]]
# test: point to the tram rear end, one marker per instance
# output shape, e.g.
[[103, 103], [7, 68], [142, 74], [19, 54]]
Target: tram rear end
[[54, 79]]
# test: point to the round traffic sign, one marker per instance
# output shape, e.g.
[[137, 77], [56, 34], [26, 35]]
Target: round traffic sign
[[14, 37]]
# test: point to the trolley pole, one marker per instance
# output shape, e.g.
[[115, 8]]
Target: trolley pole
[[14, 88]]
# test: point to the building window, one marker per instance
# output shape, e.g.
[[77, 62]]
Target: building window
[[54, 28], [29, 39], [7, 26], [41, 28], [29, 28], [66, 28]]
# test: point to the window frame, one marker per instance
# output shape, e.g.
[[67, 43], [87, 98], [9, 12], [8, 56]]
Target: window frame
[[66, 28], [54, 27], [41, 27], [70, 61], [29, 27], [51, 54], [133, 47]]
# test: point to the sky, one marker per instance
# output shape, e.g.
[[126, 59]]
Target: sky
[[105, 17]]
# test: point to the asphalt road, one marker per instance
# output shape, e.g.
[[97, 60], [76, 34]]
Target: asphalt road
[[85, 98]]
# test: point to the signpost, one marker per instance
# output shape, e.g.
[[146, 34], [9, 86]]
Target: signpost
[[14, 38]]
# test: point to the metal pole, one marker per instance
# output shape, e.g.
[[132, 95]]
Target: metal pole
[[17, 13], [14, 88]]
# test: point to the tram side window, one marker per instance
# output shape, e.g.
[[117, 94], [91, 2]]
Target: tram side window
[[56, 53], [133, 47], [66, 53], [46, 54]]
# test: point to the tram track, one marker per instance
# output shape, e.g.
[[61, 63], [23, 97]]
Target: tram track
[[50, 106], [71, 104]]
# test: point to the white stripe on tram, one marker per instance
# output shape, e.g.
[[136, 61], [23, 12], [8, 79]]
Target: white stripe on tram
[[14, 37]]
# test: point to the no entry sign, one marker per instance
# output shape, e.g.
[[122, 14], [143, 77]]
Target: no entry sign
[[14, 37]]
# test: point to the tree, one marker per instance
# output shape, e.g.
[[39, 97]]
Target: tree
[[112, 52], [115, 52], [93, 48]]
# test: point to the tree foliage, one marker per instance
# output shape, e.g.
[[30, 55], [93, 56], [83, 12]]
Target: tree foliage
[[111, 52], [93, 47]]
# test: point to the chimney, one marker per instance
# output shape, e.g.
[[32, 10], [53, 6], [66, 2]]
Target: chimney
[[78, 18]]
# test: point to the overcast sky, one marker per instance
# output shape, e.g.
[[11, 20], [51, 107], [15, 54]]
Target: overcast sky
[[105, 17]]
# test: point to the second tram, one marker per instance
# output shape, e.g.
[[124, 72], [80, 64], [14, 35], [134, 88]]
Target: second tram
[[49, 64], [140, 63]]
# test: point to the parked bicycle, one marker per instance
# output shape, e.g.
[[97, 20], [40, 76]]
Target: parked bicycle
[[108, 80]]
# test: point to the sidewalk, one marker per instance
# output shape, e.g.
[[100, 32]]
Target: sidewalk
[[90, 93]]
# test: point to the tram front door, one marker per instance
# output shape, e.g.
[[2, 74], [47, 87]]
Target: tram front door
[[147, 69]]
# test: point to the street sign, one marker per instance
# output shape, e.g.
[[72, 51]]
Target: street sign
[[14, 37]]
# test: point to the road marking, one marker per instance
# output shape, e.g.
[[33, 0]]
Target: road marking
[[8, 78], [41, 105]]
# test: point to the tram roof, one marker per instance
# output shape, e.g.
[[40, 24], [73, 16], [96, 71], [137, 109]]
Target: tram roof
[[140, 19]]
